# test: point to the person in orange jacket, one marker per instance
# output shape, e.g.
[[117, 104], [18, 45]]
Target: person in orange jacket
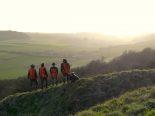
[[43, 75], [65, 69], [54, 74], [32, 76]]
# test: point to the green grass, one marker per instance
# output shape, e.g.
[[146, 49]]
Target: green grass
[[15, 58], [17, 66], [140, 102], [85, 93]]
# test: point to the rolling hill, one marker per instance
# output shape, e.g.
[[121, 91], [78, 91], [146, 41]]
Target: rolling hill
[[71, 98], [13, 36], [140, 102], [136, 44]]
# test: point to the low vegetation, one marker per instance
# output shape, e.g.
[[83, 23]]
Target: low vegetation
[[127, 61], [12, 86], [140, 102], [71, 98]]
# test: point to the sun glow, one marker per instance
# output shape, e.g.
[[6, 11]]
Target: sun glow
[[113, 17]]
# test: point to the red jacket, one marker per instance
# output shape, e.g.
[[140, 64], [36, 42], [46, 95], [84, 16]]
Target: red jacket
[[65, 69], [43, 72], [54, 72], [32, 73]]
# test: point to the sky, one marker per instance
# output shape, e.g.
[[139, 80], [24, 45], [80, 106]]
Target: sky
[[111, 17]]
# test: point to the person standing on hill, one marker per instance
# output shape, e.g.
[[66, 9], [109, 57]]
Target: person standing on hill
[[43, 75], [32, 75], [65, 69], [54, 74]]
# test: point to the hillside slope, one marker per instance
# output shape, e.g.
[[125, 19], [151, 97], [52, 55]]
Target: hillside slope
[[13, 36], [71, 98], [140, 102], [144, 59]]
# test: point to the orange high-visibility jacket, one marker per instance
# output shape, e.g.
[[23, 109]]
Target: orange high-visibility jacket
[[32, 74], [54, 72], [42, 72], [65, 69]]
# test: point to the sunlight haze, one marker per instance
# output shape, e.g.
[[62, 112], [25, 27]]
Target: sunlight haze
[[111, 17]]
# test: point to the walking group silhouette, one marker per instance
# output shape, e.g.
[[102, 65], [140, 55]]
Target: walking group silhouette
[[68, 76]]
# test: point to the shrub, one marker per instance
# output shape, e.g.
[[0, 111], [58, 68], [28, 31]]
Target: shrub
[[115, 113], [150, 104], [86, 113], [152, 93], [150, 113]]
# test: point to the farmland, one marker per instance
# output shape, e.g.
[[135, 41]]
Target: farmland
[[19, 50]]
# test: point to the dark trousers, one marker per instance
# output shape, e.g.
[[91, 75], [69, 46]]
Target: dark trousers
[[42, 82], [66, 77], [33, 83]]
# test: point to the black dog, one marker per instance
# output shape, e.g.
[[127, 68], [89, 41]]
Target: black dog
[[73, 77]]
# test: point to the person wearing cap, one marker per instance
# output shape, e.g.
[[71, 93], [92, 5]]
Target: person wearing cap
[[32, 76], [43, 75], [65, 70], [54, 74]]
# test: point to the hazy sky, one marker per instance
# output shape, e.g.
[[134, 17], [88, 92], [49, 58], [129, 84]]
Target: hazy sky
[[116, 17]]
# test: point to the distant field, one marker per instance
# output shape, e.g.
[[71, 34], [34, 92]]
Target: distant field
[[19, 50], [16, 58]]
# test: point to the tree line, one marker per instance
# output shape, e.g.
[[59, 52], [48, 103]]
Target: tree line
[[144, 59]]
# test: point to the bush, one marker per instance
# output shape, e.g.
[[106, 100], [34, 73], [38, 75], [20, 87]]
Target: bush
[[12, 86], [115, 113], [150, 113], [127, 61], [135, 109], [153, 93], [101, 108], [150, 104]]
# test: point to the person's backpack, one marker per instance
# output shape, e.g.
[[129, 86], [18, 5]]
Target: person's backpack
[[53, 72], [32, 73], [42, 72]]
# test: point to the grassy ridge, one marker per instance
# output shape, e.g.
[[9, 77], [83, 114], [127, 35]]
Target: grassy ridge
[[12, 86], [71, 98], [140, 102]]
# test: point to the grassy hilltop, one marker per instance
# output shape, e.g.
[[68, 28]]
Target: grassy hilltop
[[71, 98]]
